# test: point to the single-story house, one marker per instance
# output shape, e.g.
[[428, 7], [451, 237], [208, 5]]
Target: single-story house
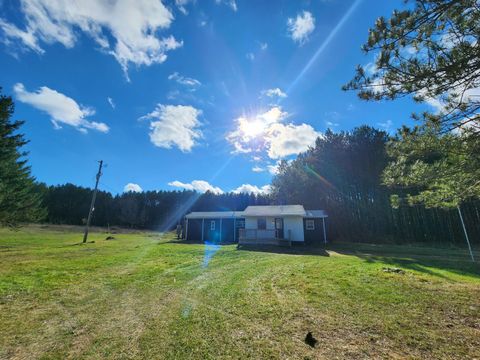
[[272, 224]]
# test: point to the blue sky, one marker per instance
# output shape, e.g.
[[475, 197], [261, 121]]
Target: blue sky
[[184, 94]]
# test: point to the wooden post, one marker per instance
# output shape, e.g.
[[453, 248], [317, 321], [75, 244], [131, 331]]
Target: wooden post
[[92, 204], [186, 228], [221, 229], [324, 232], [234, 229], [466, 235], [203, 226]]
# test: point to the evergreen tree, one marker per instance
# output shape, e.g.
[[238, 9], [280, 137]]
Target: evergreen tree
[[433, 169], [19, 200], [431, 50]]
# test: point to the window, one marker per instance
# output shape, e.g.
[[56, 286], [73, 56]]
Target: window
[[212, 225], [310, 224], [240, 223], [261, 224]]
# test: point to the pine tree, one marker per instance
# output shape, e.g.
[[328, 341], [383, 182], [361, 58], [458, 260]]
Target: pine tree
[[19, 199]]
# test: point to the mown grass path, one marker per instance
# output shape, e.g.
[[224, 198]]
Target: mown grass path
[[144, 296]]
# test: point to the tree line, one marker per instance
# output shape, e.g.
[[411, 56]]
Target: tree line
[[155, 210], [344, 173]]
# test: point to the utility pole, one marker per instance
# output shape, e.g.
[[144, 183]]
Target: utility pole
[[92, 204], [465, 231]]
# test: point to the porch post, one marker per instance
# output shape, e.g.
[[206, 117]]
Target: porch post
[[324, 232], [203, 225], [221, 229], [234, 229]]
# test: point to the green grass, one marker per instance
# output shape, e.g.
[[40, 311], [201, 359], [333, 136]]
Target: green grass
[[145, 296]]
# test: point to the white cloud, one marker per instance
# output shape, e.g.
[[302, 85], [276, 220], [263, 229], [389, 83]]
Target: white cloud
[[174, 125], [197, 185], [181, 5], [61, 108], [386, 125], [131, 187], [186, 81], [257, 169], [275, 92], [253, 128], [331, 124], [264, 46], [265, 131], [231, 3], [273, 169], [248, 189], [111, 102], [125, 29], [284, 140], [250, 56], [301, 27]]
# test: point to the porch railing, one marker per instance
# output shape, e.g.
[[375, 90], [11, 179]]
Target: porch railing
[[256, 236]]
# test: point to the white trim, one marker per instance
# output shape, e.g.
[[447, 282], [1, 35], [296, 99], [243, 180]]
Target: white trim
[[262, 218], [309, 224], [324, 232]]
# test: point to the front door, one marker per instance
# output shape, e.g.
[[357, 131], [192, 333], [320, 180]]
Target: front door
[[279, 228]]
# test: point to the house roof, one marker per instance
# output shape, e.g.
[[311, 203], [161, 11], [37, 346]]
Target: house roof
[[275, 210], [257, 210], [213, 214], [315, 214]]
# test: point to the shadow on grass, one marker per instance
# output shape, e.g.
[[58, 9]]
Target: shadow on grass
[[294, 250], [409, 259]]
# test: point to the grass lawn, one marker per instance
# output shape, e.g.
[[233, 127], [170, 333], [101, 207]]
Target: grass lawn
[[144, 296]]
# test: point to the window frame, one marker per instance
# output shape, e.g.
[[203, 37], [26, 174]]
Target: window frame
[[310, 224], [264, 220]]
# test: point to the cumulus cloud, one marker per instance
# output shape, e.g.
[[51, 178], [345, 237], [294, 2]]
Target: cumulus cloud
[[257, 169], [174, 125], [266, 132], [275, 92], [249, 189], [124, 29], [273, 169], [186, 81], [197, 185], [285, 140], [250, 129], [301, 27], [61, 108], [131, 187]]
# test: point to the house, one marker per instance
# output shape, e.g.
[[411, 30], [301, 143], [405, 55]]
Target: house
[[272, 224]]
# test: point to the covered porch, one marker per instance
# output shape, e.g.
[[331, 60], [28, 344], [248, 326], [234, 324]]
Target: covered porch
[[263, 237]]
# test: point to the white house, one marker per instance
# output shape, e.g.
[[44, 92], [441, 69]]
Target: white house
[[258, 225]]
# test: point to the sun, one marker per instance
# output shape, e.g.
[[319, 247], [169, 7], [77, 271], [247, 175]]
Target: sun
[[251, 128]]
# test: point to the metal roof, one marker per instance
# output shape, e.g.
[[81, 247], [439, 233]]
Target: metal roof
[[315, 214], [275, 210], [259, 210], [214, 214]]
